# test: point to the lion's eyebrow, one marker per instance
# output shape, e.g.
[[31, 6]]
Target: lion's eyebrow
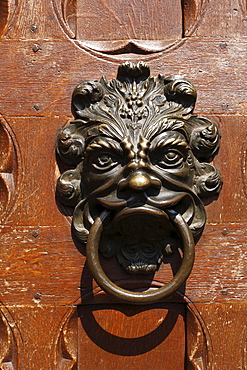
[[172, 142], [100, 143]]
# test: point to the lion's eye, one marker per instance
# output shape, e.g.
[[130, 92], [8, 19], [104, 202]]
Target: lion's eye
[[104, 162], [170, 158]]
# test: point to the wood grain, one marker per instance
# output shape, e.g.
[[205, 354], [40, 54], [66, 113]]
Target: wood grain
[[226, 324], [47, 91], [66, 350], [117, 20], [39, 327], [33, 20], [142, 336], [42, 269], [8, 169], [4, 12]]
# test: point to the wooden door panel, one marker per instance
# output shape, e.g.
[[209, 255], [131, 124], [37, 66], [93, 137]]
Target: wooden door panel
[[39, 327], [226, 324], [11, 341], [116, 20], [123, 336], [45, 53], [221, 91]]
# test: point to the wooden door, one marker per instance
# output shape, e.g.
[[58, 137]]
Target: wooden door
[[53, 315]]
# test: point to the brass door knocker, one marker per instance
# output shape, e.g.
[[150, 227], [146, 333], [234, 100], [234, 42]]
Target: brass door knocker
[[138, 169]]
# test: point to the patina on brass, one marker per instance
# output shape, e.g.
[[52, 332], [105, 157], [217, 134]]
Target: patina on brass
[[139, 168]]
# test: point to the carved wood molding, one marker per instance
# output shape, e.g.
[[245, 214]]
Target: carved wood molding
[[199, 348], [7, 9], [10, 342], [66, 343], [77, 19], [199, 354], [243, 6], [9, 163], [244, 349]]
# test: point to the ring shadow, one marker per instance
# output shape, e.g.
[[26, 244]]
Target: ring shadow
[[126, 346]]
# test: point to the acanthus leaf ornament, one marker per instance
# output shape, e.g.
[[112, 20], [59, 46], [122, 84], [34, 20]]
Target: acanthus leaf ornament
[[139, 168]]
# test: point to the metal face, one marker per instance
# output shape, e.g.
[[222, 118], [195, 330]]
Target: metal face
[[137, 151]]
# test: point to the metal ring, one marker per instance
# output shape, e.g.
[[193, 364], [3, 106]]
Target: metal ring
[[148, 296]]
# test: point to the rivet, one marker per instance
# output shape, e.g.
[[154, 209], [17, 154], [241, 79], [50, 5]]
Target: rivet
[[36, 48], [225, 231], [224, 291], [37, 295], [225, 106], [35, 233], [33, 28], [36, 107], [223, 45]]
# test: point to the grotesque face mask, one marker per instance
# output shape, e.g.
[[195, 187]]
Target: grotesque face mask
[[136, 152]]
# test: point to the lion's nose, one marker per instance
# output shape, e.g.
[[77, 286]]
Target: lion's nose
[[139, 181]]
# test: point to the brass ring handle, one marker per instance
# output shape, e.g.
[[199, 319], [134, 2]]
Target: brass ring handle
[[140, 297]]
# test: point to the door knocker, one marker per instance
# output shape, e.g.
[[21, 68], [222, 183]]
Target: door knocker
[[138, 162]]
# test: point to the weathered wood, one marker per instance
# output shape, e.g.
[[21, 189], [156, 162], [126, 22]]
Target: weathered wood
[[33, 20], [115, 20], [223, 18], [44, 260], [43, 274], [226, 324], [142, 336], [39, 327], [40, 91]]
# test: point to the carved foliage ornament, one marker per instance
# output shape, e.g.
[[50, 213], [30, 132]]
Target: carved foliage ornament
[[139, 163]]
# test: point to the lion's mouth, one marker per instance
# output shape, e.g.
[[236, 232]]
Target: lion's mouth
[[189, 206], [139, 238], [148, 215], [140, 231]]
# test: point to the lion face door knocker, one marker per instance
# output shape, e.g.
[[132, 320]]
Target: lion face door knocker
[[138, 167]]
